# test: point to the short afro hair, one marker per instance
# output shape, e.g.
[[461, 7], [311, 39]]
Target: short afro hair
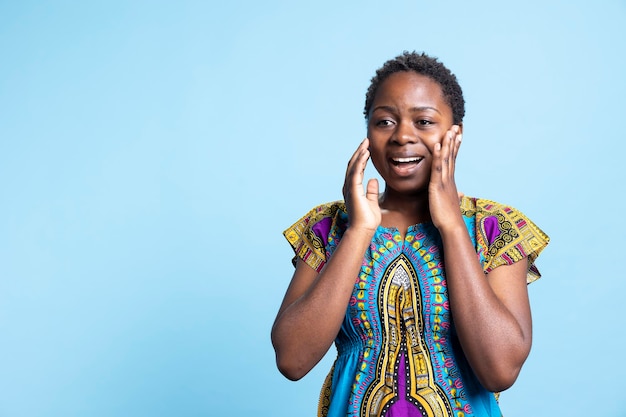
[[423, 65]]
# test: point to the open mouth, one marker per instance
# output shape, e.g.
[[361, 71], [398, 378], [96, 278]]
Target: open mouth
[[406, 161]]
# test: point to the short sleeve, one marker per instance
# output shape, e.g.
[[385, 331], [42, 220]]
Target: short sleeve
[[504, 235], [309, 236]]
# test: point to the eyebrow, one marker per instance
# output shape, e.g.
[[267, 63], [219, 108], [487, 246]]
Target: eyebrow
[[413, 109]]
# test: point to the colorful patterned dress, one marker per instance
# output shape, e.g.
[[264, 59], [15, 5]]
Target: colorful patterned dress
[[398, 353]]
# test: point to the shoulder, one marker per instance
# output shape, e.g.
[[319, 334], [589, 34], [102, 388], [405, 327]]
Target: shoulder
[[323, 213], [309, 235], [472, 205], [483, 209], [504, 234]]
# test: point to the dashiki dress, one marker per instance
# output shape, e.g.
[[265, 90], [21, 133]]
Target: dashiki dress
[[397, 350]]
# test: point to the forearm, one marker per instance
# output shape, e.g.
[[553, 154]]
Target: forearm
[[306, 328], [495, 341]]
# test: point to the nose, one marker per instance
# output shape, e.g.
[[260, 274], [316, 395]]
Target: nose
[[405, 133]]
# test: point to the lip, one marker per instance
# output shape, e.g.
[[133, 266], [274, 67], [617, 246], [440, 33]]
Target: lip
[[405, 165]]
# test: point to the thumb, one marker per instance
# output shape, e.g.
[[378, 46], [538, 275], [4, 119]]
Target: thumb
[[372, 190]]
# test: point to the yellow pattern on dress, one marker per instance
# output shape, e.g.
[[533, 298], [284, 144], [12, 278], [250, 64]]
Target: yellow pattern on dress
[[403, 308]]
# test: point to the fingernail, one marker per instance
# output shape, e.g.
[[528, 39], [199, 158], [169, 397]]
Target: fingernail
[[459, 137]]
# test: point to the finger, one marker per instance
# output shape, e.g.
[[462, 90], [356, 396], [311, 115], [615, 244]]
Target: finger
[[349, 169], [358, 161], [355, 155], [445, 155], [451, 147], [372, 190], [451, 141], [436, 165], [353, 183], [360, 164], [455, 150]]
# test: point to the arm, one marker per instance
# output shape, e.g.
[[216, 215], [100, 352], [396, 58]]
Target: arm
[[491, 312], [315, 304]]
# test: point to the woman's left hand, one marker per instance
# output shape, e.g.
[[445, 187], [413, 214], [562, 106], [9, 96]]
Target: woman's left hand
[[442, 193]]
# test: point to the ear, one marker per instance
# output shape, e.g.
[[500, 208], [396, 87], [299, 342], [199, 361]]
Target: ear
[[460, 125]]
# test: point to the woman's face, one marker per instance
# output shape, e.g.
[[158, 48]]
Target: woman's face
[[408, 117]]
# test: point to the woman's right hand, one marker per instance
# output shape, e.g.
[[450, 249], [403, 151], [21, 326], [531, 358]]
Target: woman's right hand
[[362, 205], [314, 306]]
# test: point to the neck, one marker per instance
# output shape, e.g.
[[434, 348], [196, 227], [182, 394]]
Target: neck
[[411, 208]]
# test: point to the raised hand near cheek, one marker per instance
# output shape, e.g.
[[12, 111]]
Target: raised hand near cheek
[[442, 193], [363, 209]]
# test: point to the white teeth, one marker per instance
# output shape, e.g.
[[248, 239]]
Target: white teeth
[[405, 160]]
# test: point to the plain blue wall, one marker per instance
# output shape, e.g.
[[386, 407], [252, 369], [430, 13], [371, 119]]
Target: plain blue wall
[[151, 153]]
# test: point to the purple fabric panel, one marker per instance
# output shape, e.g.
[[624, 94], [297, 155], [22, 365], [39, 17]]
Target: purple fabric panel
[[492, 231], [402, 407], [322, 228]]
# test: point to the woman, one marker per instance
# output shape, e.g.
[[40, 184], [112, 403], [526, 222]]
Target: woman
[[423, 292]]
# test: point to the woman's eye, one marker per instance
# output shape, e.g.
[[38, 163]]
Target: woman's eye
[[424, 122], [384, 122]]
